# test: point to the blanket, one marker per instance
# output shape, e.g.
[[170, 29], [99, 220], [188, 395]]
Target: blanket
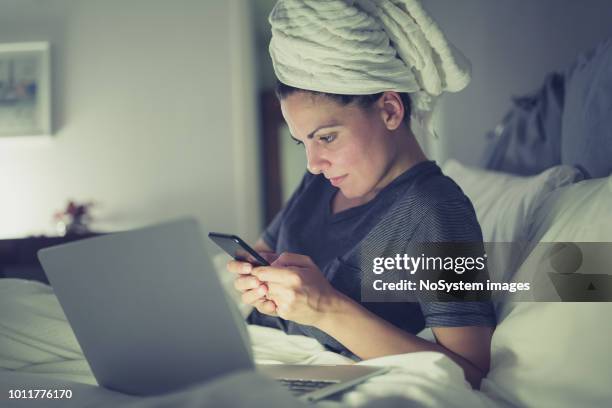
[[38, 350]]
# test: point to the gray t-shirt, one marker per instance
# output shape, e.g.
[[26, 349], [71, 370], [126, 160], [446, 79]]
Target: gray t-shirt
[[421, 205]]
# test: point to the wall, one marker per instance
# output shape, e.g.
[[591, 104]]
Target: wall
[[154, 115], [512, 44]]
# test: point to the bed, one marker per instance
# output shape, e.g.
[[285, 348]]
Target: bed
[[543, 354]]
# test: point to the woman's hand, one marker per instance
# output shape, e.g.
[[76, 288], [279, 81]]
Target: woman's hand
[[297, 287], [252, 289]]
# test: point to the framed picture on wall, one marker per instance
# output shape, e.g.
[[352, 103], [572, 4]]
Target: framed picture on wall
[[25, 92]]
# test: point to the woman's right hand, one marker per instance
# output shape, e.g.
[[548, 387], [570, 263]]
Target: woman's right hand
[[253, 291]]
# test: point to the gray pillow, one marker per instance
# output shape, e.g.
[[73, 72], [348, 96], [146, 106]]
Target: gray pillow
[[527, 141], [568, 120], [586, 135]]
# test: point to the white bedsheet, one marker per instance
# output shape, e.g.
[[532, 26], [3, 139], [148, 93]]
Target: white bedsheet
[[39, 350]]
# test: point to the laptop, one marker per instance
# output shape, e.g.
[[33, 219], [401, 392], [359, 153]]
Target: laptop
[[152, 317]]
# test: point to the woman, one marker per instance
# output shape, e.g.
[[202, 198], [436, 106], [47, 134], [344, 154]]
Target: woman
[[353, 78]]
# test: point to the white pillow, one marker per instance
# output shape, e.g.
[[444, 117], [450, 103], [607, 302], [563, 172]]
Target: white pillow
[[558, 354], [578, 213], [505, 204]]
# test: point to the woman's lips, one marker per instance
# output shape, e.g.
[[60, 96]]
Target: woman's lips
[[335, 181]]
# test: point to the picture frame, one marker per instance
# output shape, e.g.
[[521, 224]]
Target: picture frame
[[25, 89]]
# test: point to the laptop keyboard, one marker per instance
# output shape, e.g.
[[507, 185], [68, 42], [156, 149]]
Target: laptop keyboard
[[299, 387]]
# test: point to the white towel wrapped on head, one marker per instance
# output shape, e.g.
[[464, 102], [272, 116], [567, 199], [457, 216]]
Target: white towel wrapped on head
[[359, 47]]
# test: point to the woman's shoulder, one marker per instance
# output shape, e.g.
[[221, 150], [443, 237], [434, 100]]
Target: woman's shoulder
[[434, 207], [431, 190]]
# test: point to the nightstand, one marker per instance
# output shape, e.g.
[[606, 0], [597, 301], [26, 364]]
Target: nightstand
[[18, 256]]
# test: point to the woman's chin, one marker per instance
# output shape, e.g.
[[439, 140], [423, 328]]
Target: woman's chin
[[346, 192], [350, 194]]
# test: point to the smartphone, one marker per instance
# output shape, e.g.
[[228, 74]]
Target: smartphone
[[237, 248]]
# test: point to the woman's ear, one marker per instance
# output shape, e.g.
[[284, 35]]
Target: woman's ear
[[391, 109]]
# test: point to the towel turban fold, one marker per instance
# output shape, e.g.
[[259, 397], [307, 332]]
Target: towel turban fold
[[359, 47]]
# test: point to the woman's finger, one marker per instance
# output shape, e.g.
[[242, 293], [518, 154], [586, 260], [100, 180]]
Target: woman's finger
[[278, 275], [267, 307], [241, 268], [243, 283], [277, 291], [253, 295]]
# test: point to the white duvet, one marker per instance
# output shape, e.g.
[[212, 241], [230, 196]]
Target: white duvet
[[39, 350]]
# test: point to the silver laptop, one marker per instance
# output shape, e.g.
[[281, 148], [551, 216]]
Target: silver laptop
[[152, 317]]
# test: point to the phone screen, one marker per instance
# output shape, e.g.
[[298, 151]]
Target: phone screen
[[237, 248]]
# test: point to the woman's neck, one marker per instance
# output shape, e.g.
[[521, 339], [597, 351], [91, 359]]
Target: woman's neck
[[409, 154]]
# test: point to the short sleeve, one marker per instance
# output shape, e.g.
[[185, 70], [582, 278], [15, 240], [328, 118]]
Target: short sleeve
[[270, 234], [453, 221]]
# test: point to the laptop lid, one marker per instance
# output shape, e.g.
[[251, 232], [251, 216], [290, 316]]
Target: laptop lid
[[148, 309]]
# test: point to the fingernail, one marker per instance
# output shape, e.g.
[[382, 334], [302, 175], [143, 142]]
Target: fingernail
[[262, 289], [246, 268]]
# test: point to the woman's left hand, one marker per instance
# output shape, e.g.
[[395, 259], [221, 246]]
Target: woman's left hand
[[297, 287]]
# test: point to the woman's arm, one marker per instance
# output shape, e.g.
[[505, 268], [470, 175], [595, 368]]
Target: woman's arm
[[369, 336], [298, 291]]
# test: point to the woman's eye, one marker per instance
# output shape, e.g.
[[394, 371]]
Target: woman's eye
[[328, 138], [298, 142]]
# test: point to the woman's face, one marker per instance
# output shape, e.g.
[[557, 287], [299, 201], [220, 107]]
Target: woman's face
[[350, 145]]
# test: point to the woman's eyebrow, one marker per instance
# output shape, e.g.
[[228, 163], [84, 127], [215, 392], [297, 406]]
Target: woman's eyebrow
[[311, 134]]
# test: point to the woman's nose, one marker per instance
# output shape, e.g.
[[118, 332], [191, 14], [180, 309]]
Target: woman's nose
[[315, 163]]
